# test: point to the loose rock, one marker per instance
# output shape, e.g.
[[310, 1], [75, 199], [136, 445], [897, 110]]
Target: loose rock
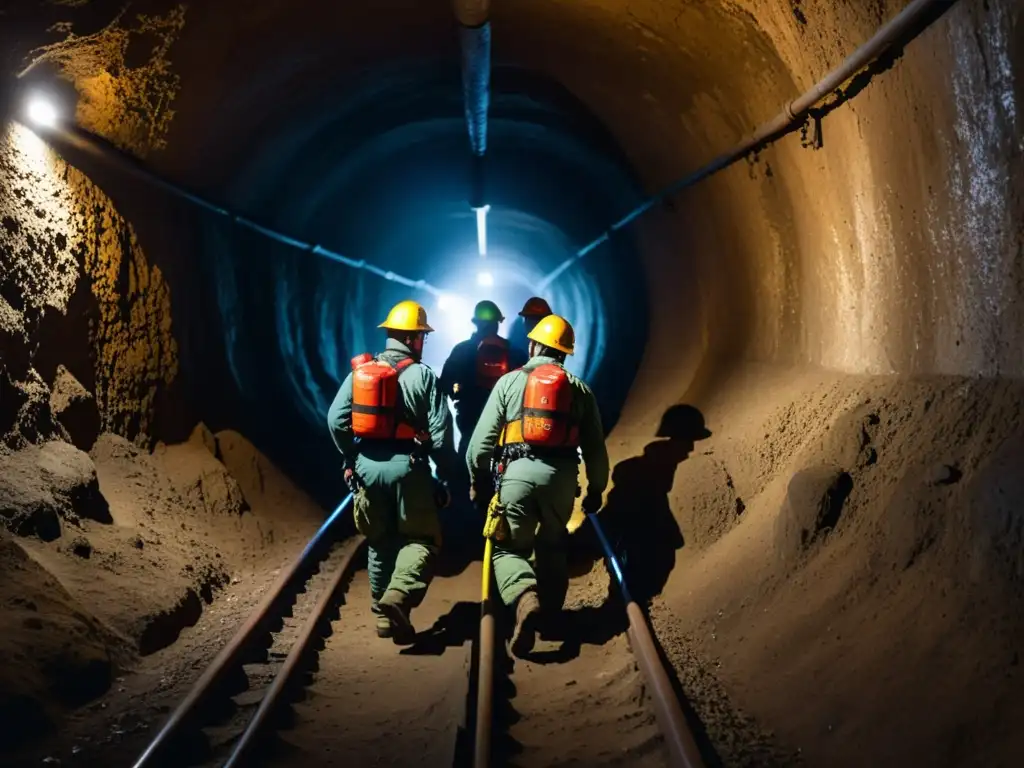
[[813, 505], [75, 409]]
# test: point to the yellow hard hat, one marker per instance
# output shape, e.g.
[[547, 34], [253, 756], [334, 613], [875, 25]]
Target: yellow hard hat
[[555, 332], [407, 316]]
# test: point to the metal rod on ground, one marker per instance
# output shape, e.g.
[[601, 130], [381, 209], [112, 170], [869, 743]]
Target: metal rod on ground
[[232, 652], [485, 668], [248, 739], [790, 118], [679, 739]]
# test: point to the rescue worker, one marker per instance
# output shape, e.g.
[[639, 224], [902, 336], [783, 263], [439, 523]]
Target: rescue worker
[[534, 310], [541, 417], [388, 417], [474, 367]]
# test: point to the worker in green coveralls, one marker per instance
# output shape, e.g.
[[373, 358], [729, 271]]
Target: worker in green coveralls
[[386, 447], [538, 476]]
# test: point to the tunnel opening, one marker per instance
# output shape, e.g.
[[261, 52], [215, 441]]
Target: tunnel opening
[[396, 194]]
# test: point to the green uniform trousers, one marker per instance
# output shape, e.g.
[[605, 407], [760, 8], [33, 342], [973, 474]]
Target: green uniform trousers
[[398, 516], [538, 499]]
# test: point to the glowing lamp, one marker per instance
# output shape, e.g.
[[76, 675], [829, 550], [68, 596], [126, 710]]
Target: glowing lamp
[[41, 112], [485, 279], [481, 228]]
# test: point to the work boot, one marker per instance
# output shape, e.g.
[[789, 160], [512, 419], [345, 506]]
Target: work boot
[[527, 616], [394, 607], [383, 626], [382, 621]]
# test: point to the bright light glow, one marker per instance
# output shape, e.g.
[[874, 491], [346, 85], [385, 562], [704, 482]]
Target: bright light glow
[[41, 112], [481, 229], [453, 304], [485, 279]]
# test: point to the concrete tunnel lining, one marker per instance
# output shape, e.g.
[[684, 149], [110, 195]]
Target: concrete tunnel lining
[[894, 251]]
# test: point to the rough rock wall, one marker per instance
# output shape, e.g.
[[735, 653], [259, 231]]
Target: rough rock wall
[[124, 77], [76, 288]]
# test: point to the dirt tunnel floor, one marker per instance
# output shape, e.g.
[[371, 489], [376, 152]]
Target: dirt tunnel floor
[[373, 703], [580, 699]]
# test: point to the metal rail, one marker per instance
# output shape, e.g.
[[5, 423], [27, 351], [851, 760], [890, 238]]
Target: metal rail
[[485, 668], [230, 657], [679, 741], [682, 747], [249, 738]]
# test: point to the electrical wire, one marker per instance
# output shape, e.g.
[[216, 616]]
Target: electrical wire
[[95, 144]]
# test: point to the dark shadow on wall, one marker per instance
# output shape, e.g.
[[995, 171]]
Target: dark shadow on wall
[[638, 517]]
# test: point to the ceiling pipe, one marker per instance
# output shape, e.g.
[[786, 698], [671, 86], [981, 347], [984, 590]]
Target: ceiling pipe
[[475, 41]]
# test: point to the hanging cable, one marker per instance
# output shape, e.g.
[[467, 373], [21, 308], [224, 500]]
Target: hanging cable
[[876, 52], [87, 141]]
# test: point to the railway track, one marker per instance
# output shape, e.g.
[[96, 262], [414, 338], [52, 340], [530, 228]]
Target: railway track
[[370, 703], [498, 674], [259, 662]]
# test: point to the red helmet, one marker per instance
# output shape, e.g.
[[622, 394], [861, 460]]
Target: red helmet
[[535, 307]]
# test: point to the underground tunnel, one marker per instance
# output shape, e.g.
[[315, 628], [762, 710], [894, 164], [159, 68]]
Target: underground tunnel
[[808, 365]]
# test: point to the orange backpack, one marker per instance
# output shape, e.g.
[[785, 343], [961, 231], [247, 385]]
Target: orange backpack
[[375, 399], [546, 411]]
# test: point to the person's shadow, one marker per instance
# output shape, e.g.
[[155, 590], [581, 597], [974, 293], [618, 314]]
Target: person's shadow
[[637, 517]]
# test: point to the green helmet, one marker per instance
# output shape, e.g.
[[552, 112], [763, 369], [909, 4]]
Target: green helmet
[[487, 312]]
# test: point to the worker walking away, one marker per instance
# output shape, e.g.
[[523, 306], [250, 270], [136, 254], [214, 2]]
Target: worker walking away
[[474, 367], [534, 310], [540, 418], [388, 419]]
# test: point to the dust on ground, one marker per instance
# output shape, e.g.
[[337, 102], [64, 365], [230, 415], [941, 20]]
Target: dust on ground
[[863, 604], [118, 607]]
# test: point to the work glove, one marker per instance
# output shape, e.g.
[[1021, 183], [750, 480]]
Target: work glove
[[442, 495], [351, 480], [591, 504]]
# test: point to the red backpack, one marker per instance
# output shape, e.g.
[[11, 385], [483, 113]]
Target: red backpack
[[546, 406], [491, 361], [375, 399]]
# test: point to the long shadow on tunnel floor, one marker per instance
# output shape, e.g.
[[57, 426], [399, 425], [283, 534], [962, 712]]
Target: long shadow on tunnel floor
[[637, 517], [453, 630]]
